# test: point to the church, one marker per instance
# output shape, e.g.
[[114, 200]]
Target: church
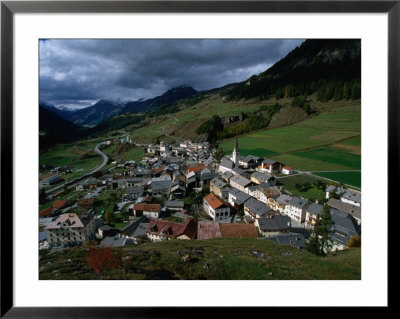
[[232, 162], [235, 154]]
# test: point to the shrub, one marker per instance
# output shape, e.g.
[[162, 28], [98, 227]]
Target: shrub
[[100, 259]]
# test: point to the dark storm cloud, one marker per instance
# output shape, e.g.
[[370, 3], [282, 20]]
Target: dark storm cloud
[[79, 72]]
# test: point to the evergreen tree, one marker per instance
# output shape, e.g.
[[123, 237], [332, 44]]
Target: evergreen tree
[[42, 196], [319, 242]]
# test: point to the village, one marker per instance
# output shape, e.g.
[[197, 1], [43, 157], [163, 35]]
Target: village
[[181, 191]]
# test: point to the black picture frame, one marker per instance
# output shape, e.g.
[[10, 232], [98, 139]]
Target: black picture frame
[[9, 8]]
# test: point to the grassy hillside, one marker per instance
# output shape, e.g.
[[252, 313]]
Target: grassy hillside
[[78, 156], [329, 141], [123, 152], [219, 258]]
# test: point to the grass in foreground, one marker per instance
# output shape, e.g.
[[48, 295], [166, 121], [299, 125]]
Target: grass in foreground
[[219, 258]]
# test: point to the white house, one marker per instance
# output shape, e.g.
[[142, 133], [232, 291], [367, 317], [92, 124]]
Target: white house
[[149, 210], [226, 166], [237, 198], [255, 209], [287, 170], [151, 149], [240, 182], [70, 229], [216, 207], [312, 213], [279, 204], [296, 209]]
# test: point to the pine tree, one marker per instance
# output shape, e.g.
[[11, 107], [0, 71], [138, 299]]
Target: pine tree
[[319, 242], [42, 196]]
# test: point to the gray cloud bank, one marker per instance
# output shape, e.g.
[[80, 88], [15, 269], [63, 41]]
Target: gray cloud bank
[[77, 73]]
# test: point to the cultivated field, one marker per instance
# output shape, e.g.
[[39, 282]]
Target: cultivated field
[[329, 141], [349, 178]]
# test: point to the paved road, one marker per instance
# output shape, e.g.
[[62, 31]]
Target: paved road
[[105, 158]]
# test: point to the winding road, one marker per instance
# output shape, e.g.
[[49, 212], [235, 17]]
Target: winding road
[[105, 158]]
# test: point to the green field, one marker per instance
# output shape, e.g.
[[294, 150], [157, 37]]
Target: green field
[[242, 258], [311, 192], [313, 144], [64, 155], [135, 153], [188, 119], [348, 178], [124, 152]]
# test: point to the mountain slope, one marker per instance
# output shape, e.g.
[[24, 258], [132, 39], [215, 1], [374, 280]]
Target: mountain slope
[[106, 108], [168, 97], [64, 113], [55, 129], [98, 112], [314, 66]]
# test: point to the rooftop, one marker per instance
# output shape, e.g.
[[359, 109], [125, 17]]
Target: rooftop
[[238, 230], [147, 207], [242, 181], [278, 222], [206, 230], [214, 201], [354, 211]]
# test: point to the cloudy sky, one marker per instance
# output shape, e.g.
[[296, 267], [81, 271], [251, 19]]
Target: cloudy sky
[[77, 73]]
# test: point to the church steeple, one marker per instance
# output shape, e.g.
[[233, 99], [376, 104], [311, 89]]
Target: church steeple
[[235, 154]]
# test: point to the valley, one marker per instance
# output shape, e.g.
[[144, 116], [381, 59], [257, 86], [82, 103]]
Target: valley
[[256, 179]]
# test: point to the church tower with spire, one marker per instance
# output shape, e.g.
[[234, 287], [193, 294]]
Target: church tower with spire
[[235, 154]]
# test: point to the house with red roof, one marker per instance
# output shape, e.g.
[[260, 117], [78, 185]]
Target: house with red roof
[[216, 207], [287, 170], [149, 210], [46, 212], [60, 203], [159, 230]]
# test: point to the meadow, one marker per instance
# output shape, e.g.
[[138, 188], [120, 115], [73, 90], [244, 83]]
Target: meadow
[[72, 156], [184, 123], [213, 259], [328, 141], [348, 178], [309, 189], [124, 152]]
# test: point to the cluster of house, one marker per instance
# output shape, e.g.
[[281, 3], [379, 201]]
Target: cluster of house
[[189, 149], [73, 229], [239, 185]]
